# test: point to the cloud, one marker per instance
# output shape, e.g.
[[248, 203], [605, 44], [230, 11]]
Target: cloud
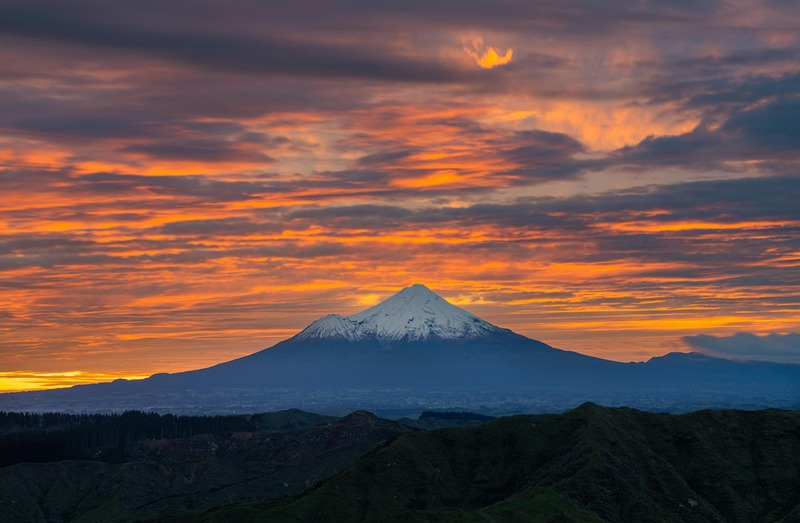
[[487, 56], [199, 151], [231, 52], [724, 201], [82, 126], [774, 126], [767, 132], [780, 348], [187, 186], [222, 227], [541, 156], [723, 92]]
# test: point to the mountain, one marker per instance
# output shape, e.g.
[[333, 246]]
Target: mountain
[[414, 340], [413, 314], [590, 464], [416, 351]]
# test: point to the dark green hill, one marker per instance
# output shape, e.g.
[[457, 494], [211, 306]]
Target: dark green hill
[[289, 420], [588, 464], [185, 475]]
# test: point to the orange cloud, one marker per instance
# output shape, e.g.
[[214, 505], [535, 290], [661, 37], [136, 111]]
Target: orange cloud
[[487, 56]]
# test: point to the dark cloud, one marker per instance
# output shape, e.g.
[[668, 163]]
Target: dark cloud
[[714, 201], [202, 187], [82, 127], [371, 217], [543, 156], [13, 245], [774, 126], [219, 227], [725, 201], [769, 131], [383, 158], [262, 55], [781, 348], [723, 92], [741, 57], [18, 177], [551, 17], [686, 149], [198, 150], [538, 156], [157, 137], [56, 259], [88, 126]]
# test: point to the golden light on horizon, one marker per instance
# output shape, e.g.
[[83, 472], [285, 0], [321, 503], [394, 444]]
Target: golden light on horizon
[[19, 381]]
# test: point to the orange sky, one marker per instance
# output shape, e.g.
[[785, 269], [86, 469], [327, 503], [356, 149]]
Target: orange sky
[[177, 193]]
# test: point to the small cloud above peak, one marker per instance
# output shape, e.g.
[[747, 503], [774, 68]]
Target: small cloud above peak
[[487, 56]]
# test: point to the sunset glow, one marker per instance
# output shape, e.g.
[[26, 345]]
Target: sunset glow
[[570, 174]]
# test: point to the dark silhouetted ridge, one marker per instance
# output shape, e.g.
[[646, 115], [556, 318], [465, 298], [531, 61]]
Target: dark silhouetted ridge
[[588, 464]]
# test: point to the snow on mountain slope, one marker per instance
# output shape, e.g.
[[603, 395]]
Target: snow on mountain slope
[[330, 326], [415, 313]]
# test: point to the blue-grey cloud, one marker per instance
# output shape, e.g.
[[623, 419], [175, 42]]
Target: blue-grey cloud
[[191, 187], [773, 126], [781, 348], [199, 150], [233, 52], [769, 131]]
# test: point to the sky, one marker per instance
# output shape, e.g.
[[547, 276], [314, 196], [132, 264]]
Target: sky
[[185, 182]]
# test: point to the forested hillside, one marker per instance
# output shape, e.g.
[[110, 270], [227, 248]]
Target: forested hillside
[[586, 465], [589, 464]]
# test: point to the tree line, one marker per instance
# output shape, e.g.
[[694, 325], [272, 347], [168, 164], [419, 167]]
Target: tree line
[[53, 436]]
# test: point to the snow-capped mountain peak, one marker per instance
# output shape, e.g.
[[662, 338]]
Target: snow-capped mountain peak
[[415, 313]]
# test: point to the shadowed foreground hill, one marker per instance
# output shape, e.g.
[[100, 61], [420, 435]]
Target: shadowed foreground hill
[[148, 479], [589, 464]]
